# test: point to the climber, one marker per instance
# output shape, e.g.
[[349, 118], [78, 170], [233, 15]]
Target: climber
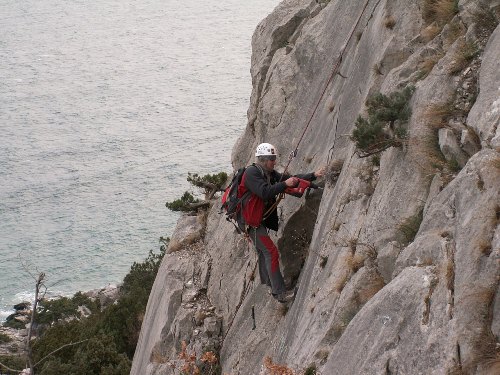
[[265, 184]]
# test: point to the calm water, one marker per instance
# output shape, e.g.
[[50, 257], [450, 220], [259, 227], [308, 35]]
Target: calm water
[[104, 108]]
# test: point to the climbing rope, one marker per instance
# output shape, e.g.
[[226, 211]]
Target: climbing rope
[[335, 71], [294, 154]]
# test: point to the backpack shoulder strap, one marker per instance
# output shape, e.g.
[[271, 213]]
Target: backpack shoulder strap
[[259, 168]]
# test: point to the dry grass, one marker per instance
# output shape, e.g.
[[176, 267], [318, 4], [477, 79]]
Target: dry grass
[[430, 32], [465, 53], [481, 298], [389, 22], [333, 170], [437, 115], [455, 370], [491, 366], [336, 165], [486, 356], [157, 357], [341, 281], [429, 158], [425, 261], [448, 270], [369, 290], [355, 262], [439, 11], [426, 151], [426, 66], [485, 19], [377, 69], [455, 30], [484, 247]]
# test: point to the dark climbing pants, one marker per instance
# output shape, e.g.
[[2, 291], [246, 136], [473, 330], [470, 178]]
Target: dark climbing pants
[[269, 259]]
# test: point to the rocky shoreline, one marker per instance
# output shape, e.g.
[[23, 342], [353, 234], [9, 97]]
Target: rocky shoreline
[[15, 328]]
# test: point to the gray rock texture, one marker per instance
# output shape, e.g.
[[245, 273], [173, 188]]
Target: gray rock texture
[[397, 260], [189, 229]]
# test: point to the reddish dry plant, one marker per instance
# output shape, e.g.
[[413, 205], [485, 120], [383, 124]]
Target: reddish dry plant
[[209, 357], [189, 361], [275, 369]]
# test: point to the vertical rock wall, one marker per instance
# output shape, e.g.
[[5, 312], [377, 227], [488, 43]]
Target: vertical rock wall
[[397, 261]]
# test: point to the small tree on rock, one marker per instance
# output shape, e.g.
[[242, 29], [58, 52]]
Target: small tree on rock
[[210, 183], [386, 123]]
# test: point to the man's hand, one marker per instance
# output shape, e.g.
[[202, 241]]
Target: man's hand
[[292, 182], [320, 172]]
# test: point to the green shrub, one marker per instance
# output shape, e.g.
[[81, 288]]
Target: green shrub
[[14, 323], [63, 308], [97, 356], [311, 370], [111, 335], [218, 180], [386, 123], [210, 183], [182, 204], [4, 338], [392, 107], [12, 361]]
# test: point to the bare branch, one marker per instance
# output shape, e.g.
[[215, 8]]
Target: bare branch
[[10, 369], [58, 349], [39, 283], [26, 266]]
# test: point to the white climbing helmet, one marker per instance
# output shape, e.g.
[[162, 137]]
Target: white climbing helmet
[[265, 149]]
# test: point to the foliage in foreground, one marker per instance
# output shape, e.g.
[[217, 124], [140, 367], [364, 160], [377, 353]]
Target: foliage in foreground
[[107, 339]]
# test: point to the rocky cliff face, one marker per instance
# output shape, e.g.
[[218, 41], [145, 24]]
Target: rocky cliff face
[[397, 261]]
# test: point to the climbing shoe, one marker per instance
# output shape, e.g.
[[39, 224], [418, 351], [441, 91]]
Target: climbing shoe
[[285, 297]]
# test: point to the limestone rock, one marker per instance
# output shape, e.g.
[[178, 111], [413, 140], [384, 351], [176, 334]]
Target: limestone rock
[[22, 306], [450, 148], [188, 230], [396, 265], [484, 117], [469, 142]]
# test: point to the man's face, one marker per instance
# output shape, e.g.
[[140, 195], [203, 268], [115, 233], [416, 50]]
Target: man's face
[[270, 163]]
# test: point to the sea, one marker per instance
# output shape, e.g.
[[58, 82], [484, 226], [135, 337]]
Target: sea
[[105, 106]]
